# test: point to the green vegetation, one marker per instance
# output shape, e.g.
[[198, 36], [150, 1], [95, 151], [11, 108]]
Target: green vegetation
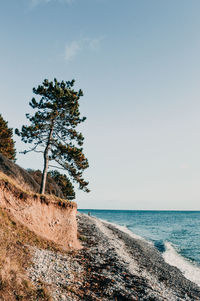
[[64, 183], [57, 184], [7, 145], [52, 130]]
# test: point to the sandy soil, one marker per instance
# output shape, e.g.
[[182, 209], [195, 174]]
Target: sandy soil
[[46, 215]]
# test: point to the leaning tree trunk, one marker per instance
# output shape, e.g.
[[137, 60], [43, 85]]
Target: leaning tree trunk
[[46, 162]]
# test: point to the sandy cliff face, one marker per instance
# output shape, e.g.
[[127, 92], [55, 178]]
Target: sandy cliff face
[[47, 216]]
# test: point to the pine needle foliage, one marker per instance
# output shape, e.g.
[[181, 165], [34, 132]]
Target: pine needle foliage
[[7, 145], [53, 130], [64, 183]]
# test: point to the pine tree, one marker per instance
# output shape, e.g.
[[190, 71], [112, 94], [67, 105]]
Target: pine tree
[[52, 130], [64, 183], [7, 145]]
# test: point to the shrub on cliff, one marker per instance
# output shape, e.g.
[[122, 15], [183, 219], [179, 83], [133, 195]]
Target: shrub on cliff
[[52, 130], [20, 175], [57, 183], [64, 183], [51, 185], [7, 145]]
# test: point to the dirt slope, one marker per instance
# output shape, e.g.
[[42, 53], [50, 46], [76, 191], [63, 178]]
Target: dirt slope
[[20, 175], [29, 181], [29, 221], [48, 216]]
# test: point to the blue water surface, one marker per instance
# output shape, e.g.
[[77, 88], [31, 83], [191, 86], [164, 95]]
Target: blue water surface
[[180, 228]]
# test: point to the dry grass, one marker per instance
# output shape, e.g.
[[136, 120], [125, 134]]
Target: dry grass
[[10, 180], [15, 258], [15, 254], [14, 187]]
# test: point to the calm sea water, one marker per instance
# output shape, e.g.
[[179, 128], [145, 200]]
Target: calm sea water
[[176, 234]]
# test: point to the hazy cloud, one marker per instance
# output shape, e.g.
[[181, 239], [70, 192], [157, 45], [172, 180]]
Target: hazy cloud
[[73, 48], [94, 44], [37, 2], [185, 166]]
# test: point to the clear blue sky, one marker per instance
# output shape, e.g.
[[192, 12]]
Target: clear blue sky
[[138, 63]]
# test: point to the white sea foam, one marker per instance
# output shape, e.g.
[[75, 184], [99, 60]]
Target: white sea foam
[[126, 230], [189, 270], [129, 232]]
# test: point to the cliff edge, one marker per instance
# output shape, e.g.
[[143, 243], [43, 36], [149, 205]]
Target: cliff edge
[[48, 216]]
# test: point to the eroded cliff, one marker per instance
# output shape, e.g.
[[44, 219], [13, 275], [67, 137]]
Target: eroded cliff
[[48, 216]]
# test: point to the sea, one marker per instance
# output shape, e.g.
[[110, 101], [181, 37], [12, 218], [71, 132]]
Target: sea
[[176, 234]]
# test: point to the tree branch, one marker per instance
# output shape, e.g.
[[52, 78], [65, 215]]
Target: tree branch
[[57, 167], [32, 149]]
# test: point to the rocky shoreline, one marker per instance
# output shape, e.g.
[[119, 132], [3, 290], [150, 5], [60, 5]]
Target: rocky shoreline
[[112, 265]]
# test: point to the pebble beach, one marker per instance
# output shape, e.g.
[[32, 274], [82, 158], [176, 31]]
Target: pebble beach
[[112, 265]]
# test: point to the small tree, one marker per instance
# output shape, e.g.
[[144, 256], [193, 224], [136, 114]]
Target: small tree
[[7, 145], [52, 130], [64, 183]]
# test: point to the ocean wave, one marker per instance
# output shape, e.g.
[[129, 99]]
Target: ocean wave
[[160, 245], [189, 269]]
